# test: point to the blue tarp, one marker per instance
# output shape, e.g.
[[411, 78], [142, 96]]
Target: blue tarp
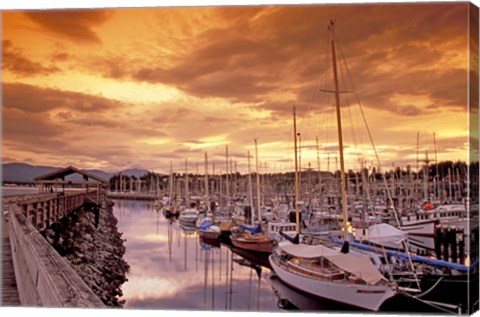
[[258, 229], [416, 258], [205, 224]]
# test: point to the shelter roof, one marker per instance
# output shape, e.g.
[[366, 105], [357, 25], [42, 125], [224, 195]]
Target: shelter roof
[[62, 172]]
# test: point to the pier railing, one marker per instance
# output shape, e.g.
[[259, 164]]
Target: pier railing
[[44, 209], [43, 277]]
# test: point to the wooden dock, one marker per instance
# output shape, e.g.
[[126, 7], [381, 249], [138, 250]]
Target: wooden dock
[[9, 285]]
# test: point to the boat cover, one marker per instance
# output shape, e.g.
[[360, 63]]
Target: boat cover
[[205, 224], [255, 230], [385, 234], [358, 265]]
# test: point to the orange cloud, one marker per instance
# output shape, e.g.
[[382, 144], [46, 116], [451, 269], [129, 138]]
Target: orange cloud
[[15, 61], [186, 75], [73, 25]]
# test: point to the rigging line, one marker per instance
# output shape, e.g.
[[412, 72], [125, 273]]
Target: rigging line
[[306, 122], [430, 289], [427, 303], [387, 188], [351, 135], [314, 91]]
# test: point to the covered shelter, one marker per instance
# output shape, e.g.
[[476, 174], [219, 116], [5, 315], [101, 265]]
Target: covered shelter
[[56, 181]]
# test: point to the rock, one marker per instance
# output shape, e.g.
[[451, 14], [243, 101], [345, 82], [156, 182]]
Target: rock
[[95, 253]]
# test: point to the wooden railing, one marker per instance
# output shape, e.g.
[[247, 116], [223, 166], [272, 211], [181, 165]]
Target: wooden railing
[[44, 209], [43, 277]]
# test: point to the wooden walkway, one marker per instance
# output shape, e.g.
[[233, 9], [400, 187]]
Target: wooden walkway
[[9, 285]]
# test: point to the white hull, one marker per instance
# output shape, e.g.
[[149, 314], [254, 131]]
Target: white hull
[[187, 220], [421, 228], [363, 296]]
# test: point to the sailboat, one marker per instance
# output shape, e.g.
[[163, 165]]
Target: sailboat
[[325, 272], [249, 237]]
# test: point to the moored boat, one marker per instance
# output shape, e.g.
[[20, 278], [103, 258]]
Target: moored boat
[[208, 230], [321, 271], [253, 239], [188, 216]]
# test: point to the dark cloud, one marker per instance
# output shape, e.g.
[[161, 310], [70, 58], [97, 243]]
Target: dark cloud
[[283, 49], [15, 61], [33, 99], [60, 57], [74, 25], [34, 133]]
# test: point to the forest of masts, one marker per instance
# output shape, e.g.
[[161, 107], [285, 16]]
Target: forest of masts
[[445, 182]]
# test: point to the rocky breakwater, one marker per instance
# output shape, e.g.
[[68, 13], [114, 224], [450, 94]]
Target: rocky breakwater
[[89, 239]]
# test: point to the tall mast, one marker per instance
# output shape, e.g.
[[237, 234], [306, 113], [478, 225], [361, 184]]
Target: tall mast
[[207, 198], [345, 246], [299, 163], [258, 182], [297, 212], [170, 185], [187, 194], [250, 194], [417, 185], [319, 172], [226, 182], [436, 179], [213, 193]]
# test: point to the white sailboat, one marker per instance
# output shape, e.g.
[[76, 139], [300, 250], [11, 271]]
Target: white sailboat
[[347, 278]]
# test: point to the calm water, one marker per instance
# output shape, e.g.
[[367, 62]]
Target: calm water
[[13, 191], [172, 269]]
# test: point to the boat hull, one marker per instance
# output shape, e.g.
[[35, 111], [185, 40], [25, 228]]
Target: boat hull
[[420, 228], [367, 297], [188, 221], [265, 245], [210, 235]]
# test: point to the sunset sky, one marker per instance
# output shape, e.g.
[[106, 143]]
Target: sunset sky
[[137, 88]]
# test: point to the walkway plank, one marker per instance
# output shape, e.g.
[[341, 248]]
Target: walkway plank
[[9, 285]]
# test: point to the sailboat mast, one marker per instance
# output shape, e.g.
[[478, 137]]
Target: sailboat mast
[[340, 140], [319, 172], [297, 213], [170, 185], [227, 200], [187, 194], [207, 194], [250, 194], [258, 182]]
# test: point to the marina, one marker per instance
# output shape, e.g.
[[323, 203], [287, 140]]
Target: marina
[[200, 275], [271, 158]]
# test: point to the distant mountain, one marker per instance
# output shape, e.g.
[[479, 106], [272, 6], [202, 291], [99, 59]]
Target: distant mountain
[[25, 173]]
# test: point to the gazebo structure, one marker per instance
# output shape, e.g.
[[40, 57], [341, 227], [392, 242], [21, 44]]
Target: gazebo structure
[[55, 181]]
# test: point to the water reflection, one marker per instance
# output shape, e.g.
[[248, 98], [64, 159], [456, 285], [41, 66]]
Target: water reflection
[[172, 268]]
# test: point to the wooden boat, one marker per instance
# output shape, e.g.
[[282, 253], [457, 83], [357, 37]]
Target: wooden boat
[[252, 242], [208, 230]]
